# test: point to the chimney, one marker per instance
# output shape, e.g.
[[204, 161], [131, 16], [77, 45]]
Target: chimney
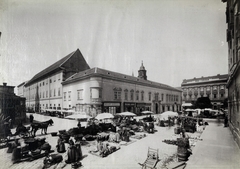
[[4, 84]]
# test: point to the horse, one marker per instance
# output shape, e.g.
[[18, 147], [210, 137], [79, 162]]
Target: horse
[[41, 125]]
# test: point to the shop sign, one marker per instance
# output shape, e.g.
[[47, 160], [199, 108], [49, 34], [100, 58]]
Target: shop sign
[[129, 104], [111, 104], [141, 104]]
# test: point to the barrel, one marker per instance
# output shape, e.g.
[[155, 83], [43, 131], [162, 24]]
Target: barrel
[[182, 156]]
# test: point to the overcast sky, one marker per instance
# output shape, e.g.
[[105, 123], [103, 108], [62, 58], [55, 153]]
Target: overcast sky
[[175, 39]]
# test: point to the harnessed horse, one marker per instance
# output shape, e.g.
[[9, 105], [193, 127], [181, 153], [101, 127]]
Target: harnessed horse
[[41, 125]]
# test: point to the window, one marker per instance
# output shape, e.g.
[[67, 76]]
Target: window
[[117, 93], [215, 96], [142, 95], [65, 96], [163, 96], [69, 96], [40, 95], [222, 95], [95, 93], [222, 87], [156, 96], [54, 92], [132, 94], [126, 94], [59, 92], [46, 94], [137, 95], [149, 96], [80, 94], [50, 80], [50, 95], [43, 83]]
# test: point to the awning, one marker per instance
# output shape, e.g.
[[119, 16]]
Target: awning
[[187, 104]]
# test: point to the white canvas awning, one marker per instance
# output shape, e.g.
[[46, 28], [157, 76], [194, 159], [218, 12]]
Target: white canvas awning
[[187, 104]]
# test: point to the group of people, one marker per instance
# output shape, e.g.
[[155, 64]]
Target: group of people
[[74, 152]]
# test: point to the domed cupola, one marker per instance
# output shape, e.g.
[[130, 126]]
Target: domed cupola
[[142, 73]]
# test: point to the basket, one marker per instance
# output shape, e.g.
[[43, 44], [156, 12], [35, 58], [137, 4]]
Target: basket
[[54, 134]]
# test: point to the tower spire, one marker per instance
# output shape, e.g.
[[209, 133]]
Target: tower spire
[[142, 73]]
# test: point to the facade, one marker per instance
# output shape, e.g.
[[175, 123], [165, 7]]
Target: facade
[[11, 105], [44, 90], [233, 83], [98, 90], [213, 87], [71, 84]]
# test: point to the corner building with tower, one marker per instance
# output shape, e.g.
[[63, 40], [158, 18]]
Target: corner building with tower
[[71, 84]]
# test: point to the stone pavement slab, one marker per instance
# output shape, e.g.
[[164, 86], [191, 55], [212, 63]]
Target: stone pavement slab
[[216, 150]]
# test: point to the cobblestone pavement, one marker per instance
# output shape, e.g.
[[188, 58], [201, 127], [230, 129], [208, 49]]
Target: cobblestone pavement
[[127, 157]]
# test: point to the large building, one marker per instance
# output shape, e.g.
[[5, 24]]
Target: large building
[[71, 84], [44, 90], [233, 83], [11, 105], [213, 87]]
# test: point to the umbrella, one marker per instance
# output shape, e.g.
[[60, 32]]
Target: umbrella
[[104, 116], [167, 114], [70, 111], [78, 116], [147, 112], [126, 114], [189, 110]]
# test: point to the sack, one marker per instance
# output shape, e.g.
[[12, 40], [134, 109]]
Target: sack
[[52, 159]]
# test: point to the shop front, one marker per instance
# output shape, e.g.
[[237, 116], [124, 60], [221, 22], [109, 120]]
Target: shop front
[[112, 107], [130, 107], [142, 107]]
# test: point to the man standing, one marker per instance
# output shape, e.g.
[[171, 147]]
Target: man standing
[[31, 118]]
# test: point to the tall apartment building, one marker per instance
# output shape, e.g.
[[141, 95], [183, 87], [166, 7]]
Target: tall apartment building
[[233, 83], [213, 87]]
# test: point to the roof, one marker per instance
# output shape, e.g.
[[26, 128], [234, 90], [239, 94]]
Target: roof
[[205, 79], [51, 68], [22, 84], [114, 75]]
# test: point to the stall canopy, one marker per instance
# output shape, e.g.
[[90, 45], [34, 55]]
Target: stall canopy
[[186, 104], [102, 116], [147, 112], [167, 114], [126, 114], [78, 116]]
